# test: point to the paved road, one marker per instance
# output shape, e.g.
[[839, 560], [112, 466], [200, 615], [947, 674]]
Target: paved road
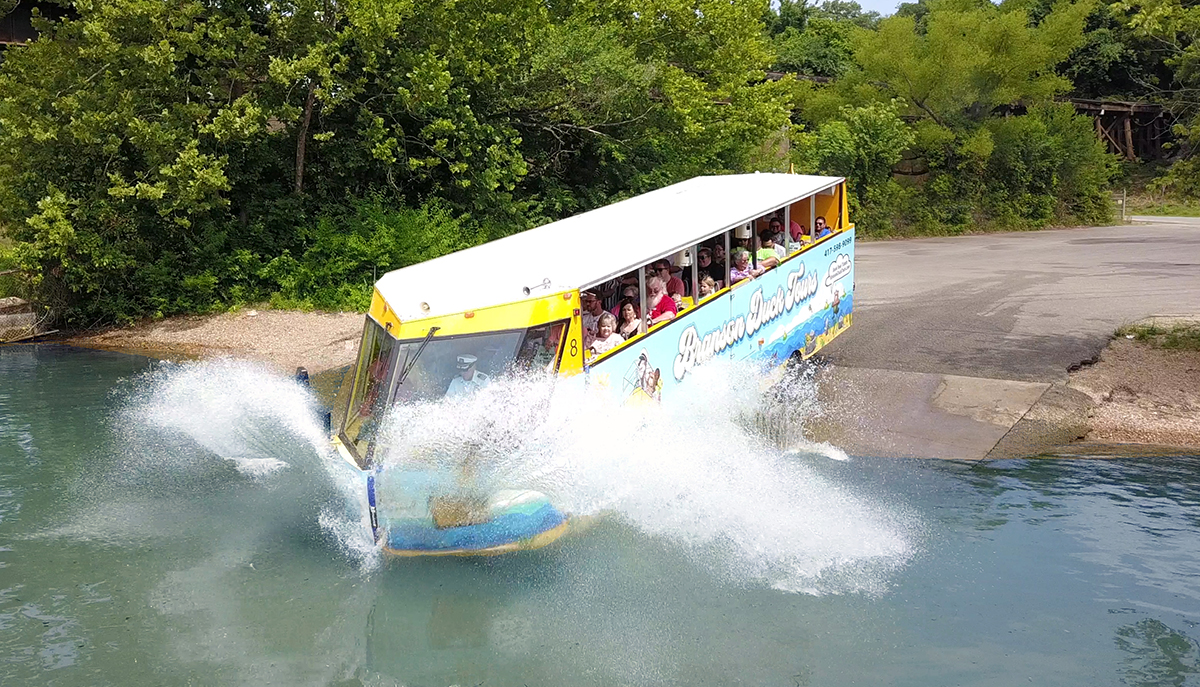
[[960, 345], [1021, 306]]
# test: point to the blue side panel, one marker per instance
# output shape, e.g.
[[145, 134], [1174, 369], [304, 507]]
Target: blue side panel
[[504, 529], [799, 306]]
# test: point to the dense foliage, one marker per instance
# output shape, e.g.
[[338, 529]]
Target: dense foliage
[[1174, 28], [169, 156], [165, 156], [944, 118]]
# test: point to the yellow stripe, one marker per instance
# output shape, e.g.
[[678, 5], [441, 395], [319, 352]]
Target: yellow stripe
[[520, 315]]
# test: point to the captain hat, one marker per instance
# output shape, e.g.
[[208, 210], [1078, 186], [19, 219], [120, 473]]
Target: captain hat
[[466, 360]]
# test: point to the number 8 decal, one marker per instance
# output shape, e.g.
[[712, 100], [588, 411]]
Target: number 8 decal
[[574, 347]]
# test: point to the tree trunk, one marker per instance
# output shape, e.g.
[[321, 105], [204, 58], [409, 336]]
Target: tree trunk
[[1129, 151], [302, 137]]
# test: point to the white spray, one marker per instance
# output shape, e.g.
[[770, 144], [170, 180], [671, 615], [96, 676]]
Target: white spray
[[698, 472]]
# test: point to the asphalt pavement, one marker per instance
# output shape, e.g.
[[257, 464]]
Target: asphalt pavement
[[983, 327]]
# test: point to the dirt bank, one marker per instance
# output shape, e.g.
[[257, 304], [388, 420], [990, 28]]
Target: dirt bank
[[1143, 394], [283, 338]]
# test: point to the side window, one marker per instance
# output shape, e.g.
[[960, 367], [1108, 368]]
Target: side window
[[541, 349], [371, 379]]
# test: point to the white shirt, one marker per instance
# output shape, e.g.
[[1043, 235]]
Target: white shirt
[[591, 322], [462, 387], [601, 345]]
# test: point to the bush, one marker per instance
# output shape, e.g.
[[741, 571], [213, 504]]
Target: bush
[[349, 249], [1048, 167], [1042, 168], [863, 144], [10, 283], [330, 263]]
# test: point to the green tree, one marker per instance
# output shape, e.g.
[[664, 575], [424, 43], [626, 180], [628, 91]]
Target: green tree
[[848, 12], [1114, 62], [787, 14], [863, 145], [823, 48], [967, 58], [118, 130], [944, 120], [1175, 25], [158, 157]]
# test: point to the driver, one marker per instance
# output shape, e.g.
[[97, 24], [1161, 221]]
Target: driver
[[469, 379]]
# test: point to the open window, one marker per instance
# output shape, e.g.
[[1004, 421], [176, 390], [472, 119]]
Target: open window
[[541, 350], [372, 377]]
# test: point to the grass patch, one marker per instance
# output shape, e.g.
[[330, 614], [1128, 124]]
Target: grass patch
[[1139, 206], [10, 281], [1146, 197], [890, 233], [1180, 337]]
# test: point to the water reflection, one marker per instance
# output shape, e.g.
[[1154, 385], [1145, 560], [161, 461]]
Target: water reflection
[[614, 609], [1158, 656]]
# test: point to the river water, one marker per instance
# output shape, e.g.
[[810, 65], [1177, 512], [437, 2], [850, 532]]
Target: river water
[[182, 524]]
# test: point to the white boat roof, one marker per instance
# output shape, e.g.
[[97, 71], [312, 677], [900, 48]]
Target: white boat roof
[[591, 247]]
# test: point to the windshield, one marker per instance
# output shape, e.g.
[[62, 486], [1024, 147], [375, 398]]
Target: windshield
[[450, 366]]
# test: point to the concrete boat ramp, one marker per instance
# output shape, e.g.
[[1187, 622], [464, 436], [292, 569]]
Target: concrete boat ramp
[[961, 347]]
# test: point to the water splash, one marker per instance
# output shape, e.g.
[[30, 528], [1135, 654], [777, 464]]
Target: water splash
[[179, 417], [705, 474], [237, 410]]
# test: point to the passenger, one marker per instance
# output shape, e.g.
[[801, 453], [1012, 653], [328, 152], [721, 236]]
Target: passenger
[[608, 292], [627, 318], [703, 260], [662, 306], [798, 238], [469, 379], [719, 261], [546, 357], [607, 337], [799, 235], [778, 238], [705, 265], [675, 288], [376, 377], [767, 257], [592, 310], [678, 294], [741, 267], [820, 229], [629, 281], [708, 286], [630, 293]]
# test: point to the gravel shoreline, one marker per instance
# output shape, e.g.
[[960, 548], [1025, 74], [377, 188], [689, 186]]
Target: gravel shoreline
[[1143, 394], [284, 339]]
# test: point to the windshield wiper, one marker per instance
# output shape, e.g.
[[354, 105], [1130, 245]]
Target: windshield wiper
[[413, 360]]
